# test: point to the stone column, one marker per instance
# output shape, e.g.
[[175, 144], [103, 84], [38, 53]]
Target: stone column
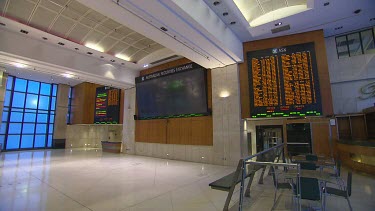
[[59, 133], [226, 115], [2, 95], [128, 131]]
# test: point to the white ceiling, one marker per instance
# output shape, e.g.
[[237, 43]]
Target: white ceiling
[[148, 30]]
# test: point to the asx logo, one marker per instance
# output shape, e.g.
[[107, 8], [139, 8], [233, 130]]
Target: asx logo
[[274, 50], [278, 50]]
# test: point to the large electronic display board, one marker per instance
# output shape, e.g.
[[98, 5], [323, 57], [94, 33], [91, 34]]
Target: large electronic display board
[[107, 105], [284, 82], [176, 92]]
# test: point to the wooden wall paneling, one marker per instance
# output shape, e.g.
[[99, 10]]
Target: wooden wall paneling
[[343, 124], [201, 131], [83, 103], [173, 131], [209, 89], [320, 138], [358, 127], [179, 131], [321, 58], [122, 109], [157, 132]]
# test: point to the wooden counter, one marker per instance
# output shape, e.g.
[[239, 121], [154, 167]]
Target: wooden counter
[[358, 155]]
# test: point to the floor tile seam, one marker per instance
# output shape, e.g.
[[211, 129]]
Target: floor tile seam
[[170, 192], [49, 185]]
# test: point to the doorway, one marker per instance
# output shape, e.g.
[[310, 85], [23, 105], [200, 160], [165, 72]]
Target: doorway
[[268, 136], [299, 138]]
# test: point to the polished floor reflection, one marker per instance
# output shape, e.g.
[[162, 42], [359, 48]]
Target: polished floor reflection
[[91, 180]]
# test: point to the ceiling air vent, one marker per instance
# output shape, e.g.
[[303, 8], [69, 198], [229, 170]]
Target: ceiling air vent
[[163, 60], [280, 29]]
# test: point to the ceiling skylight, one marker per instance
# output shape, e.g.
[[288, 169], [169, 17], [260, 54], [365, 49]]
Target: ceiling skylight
[[258, 12]]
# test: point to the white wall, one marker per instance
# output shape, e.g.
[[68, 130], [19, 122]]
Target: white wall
[[347, 76]]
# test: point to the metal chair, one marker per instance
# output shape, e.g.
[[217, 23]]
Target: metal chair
[[310, 188], [311, 158], [346, 193]]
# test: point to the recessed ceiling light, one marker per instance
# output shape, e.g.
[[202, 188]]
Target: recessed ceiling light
[[372, 19], [89, 53], [94, 46], [60, 43], [357, 11], [101, 57], [122, 56], [216, 3], [145, 65], [225, 14], [112, 60], [19, 65], [122, 63], [326, 4], [233, 22], [337, 28], [163, 28], [2, 24], [44, 38], [76, 49], [278, 24], [67, 75], [24, 31]]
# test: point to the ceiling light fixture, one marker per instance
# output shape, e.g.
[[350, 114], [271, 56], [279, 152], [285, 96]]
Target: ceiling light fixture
[[340, 27], [94, 46], [102, 57], [145, 65], [233, 22], [67, 75], [44, 38], [278, 24], [19, 65], [326, 4], [225, 14], [112, 60], [357, 11], [163, 28], [2, 24], [24, 31], [372, 19], [216, 3], [60, 43], [76, 49], [122, 56], [89, 53]]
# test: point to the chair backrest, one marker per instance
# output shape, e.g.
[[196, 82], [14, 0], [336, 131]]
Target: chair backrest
[[308, 166], [311, 158], [338, 166], [310, 189], [349, 183]]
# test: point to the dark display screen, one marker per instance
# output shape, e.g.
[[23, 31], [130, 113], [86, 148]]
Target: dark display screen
[[284, 82], [107, 105], [175, 92]]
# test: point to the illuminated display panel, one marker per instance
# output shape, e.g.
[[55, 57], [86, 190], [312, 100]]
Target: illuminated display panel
[[107, 105], [284, 82]]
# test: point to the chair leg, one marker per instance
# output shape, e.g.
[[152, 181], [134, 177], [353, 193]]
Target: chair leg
[[350, 206]]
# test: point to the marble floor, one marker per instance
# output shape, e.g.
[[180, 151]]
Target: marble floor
[[88, 179]]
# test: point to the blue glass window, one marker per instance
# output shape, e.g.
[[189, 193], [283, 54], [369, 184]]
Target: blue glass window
[[27, 141], [5, 116], [13, 142], [2, 142], [20, 85], [41, 128], [28, 128], [18, 100], [33, 87], [9, 83], [31, 101], [14, 128], [43, 102], [45, 89], [49, 142], [29, 111], [54, 90], [40, 141], [29, 117], [3, 127], [16, 117], [7, 98]]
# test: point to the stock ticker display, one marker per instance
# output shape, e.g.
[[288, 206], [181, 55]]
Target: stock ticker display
[[107, 105], [284, 82]]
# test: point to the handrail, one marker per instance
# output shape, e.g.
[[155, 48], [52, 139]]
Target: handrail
[[262, 152]]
